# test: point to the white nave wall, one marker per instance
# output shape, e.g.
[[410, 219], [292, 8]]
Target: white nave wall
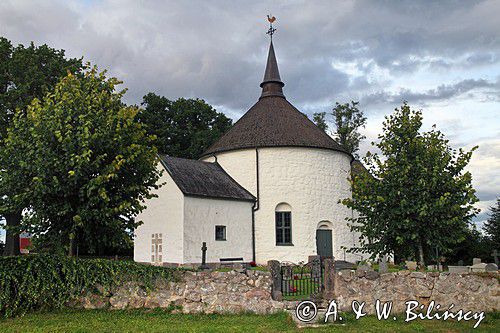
[[311, 181]]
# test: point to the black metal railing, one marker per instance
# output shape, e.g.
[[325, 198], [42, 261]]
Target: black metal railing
[[301, 280]]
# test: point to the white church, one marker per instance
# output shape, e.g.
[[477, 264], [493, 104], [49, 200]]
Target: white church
[[266, 190]]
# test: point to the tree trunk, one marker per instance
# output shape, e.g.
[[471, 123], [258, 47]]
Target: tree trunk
[[12, 236], [71, 246], [421, 256]]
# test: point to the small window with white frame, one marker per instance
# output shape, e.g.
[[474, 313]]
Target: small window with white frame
[[220, 232]]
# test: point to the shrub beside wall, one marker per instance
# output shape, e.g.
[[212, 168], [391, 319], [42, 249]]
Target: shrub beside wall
[[47, 281]]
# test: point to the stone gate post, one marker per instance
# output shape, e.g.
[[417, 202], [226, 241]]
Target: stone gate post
[[275, 269], [329, 279]]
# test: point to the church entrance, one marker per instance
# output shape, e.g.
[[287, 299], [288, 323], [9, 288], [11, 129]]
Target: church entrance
[[324, 244]]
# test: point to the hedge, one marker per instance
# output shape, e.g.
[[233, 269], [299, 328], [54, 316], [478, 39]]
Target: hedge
[[48, 281]]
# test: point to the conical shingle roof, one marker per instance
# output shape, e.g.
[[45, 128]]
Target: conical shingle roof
[[273, 121]]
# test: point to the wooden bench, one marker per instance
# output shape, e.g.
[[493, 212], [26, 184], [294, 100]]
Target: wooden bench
[[230, 261]]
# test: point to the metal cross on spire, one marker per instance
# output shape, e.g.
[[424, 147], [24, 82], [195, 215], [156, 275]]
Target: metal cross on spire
[[271, 30]]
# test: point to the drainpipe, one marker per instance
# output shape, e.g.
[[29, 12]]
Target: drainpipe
[[256, 204]]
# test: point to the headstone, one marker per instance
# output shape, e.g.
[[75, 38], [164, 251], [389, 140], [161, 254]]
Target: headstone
[[495, 256], [491, 267], [476, 261], [382, 268], [204, 256], [316, 268], [478, 267], [311, 258], [364, 268], [460, 263], [458, 269], [411, 265], [287, 272]]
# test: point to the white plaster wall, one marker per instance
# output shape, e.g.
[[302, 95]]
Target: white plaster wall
[[201, 215], [163, 214], [308, 179]]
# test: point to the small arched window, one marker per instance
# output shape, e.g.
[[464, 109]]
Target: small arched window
[[283, 220]]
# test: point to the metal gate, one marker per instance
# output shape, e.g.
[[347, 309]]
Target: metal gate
[[301, 280]]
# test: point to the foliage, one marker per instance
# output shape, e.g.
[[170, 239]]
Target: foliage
[[184, 127], [320, 121], [348, 119], [48, 281], [84, 164], [25, 73], [416, 197], [474, 245], [492, 226], [2, 245]]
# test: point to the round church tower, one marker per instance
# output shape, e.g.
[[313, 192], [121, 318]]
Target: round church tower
[[297, 173]]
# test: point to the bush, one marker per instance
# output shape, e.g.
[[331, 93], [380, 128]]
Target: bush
[[48, 281]]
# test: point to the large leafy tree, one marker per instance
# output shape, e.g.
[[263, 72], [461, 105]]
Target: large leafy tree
[[25, 73], [416, 196], [348, 119], [492, 226], [184, 127], [87, 165]]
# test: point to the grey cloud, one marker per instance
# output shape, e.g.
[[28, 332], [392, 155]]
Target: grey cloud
[[442, 92], [216, 50]]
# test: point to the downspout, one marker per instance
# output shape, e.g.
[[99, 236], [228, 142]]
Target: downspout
[[256, 204]]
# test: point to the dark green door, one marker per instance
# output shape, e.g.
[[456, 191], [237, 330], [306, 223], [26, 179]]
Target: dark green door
[[324, 243]]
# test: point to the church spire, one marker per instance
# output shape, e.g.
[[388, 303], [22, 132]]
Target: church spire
[[272, 84]]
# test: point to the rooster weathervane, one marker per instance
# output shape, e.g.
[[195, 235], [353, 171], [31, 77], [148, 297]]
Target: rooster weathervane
[[271, 30]]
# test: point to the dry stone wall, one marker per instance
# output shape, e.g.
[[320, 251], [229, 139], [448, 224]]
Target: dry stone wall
[[207, 292], [466, 291], [250, 291]]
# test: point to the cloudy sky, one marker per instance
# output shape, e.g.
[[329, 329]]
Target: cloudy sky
[[441, 56]]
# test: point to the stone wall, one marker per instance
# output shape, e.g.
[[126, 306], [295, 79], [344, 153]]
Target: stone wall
[[466, 291], [206, 291]]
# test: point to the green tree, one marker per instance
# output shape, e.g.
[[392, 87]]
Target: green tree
[[473, 245], [492, 226], [320, 121], [348, 119], [86, 163], [25, 73], [184, 127], [416, 196]]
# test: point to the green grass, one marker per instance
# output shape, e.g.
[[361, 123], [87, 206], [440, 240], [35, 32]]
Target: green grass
[[160, 321]]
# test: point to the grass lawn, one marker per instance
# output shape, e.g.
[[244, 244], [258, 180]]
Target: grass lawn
[[159, 321]]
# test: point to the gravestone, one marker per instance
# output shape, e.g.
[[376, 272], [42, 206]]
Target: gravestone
[[316, 268], [411, 265], [458, 269], [382, 268], [311, 258], [287, 272], [476, 261], [364, 268], [204, 256], [460, 263], [495, 256], [477, 268], [491, 267]]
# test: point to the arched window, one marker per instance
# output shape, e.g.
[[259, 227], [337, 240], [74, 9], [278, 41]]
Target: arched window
[[283, 220]]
